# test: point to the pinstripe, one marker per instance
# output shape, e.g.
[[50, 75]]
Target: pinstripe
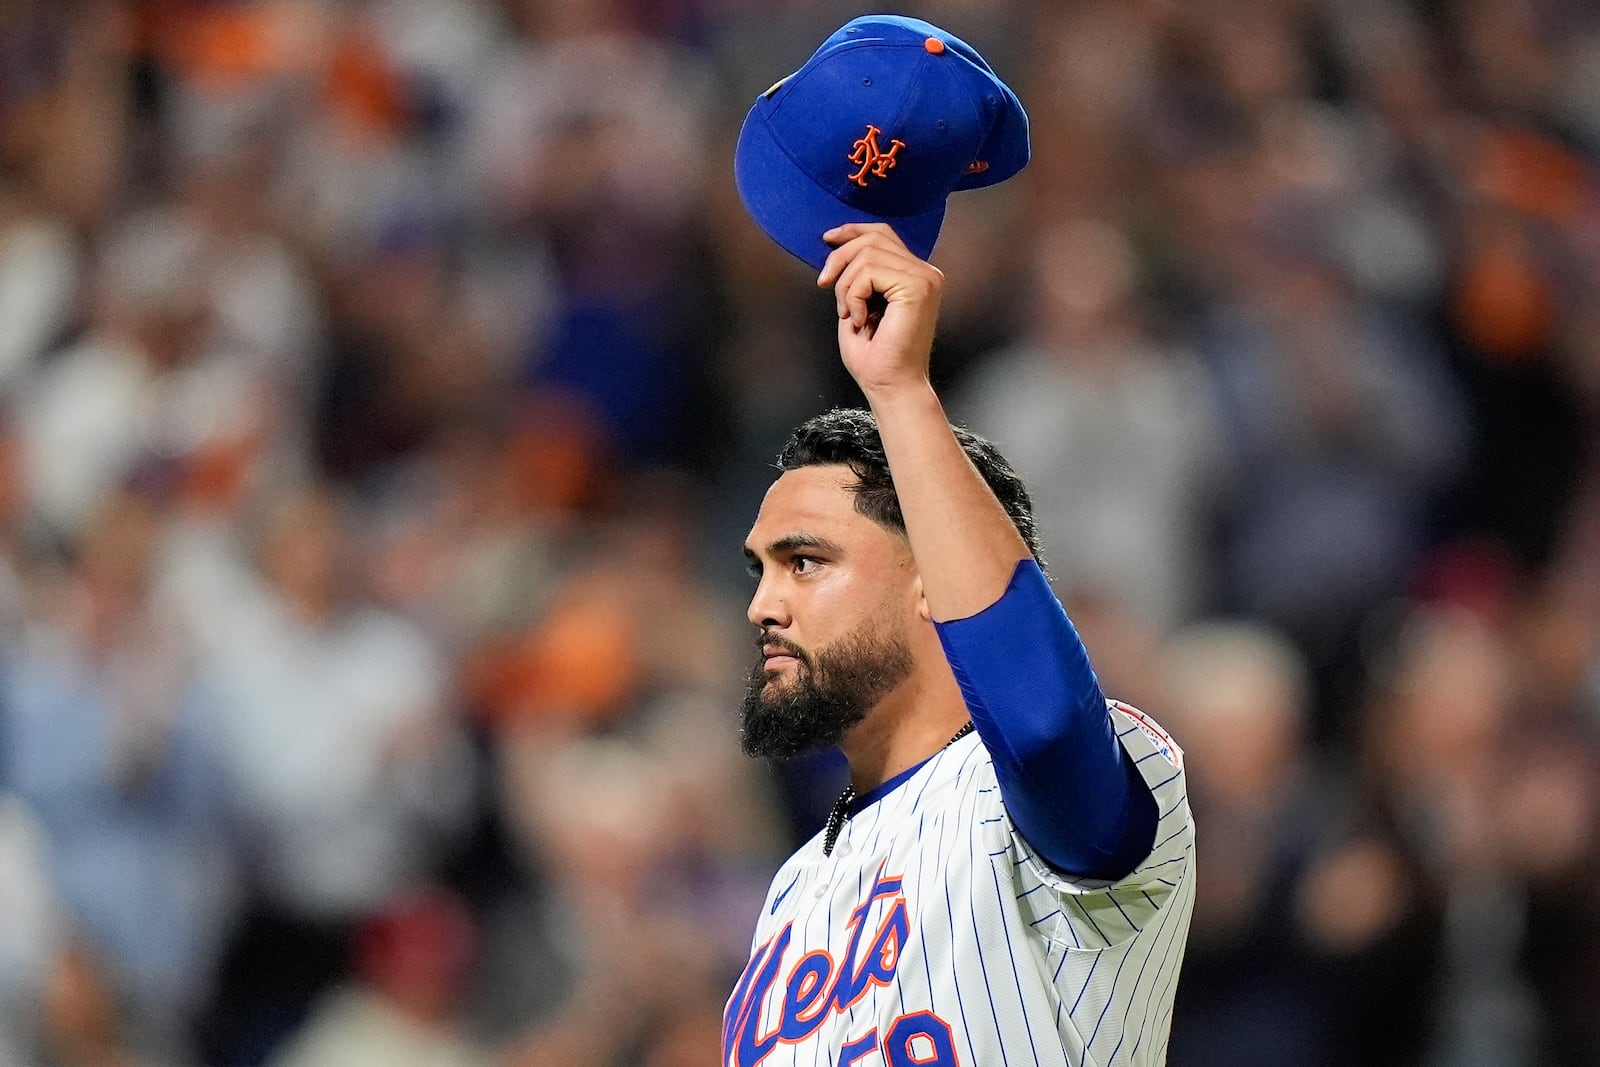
[[922, 880], [934, 834], [983, 968], [915, 804], [966, 806], [1076, 943], [950, 913], [1107, 1005], [1166, 917], [1090, 920], [1084, 988], [1165, 840], [1131, 924], [859, 895], [1011, 954], [972, 751], [927, 781], [1166, 997], [1172, 979], [1164, 1028]]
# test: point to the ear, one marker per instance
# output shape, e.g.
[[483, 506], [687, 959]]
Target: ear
[[922, 599]]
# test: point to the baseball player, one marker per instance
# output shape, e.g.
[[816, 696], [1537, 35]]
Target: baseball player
[[1010, 876]]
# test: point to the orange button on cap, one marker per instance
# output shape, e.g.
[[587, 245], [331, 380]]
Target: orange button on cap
[[934, 45]]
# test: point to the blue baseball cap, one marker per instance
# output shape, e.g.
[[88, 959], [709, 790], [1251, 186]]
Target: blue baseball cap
[[881, 124]]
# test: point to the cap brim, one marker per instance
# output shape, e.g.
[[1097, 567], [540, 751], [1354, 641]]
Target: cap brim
[[795, 211]]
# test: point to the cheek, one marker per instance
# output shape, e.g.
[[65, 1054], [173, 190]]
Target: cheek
[[870, 609], [838, 606]]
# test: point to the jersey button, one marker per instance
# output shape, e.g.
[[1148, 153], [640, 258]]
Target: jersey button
[[843, 849], [822, 891]]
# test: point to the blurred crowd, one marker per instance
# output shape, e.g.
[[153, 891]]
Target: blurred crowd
[[386, 386]]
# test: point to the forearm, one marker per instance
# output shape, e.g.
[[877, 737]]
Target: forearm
[[965, 545]]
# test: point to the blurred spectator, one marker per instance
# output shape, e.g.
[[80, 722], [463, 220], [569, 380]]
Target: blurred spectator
[[637, 898], [592, 139], [348, 774], [338, 745], [38, 282], [151, 387], [1456, 753], [65, 105], [109, 739], [31, 936], [1344, 429], [1313, 944], [405, 361], [412, 957], [618, 790], [1503, 320], [1112, 428]]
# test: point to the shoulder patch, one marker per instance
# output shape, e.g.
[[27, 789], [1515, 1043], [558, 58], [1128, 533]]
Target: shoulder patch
[[1162, 741]]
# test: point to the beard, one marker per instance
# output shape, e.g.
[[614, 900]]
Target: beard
[[831, 691]]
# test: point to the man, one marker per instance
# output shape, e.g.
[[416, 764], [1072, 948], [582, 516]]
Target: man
[[1009, 878]]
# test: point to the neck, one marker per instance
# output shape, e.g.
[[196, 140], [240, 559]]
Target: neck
[[908, 726]]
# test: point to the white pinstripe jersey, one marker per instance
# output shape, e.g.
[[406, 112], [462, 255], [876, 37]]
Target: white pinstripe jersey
[[933, 936]]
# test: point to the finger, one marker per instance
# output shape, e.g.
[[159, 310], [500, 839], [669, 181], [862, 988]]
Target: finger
[[862, 263], [847, 269], [834, 265], [839, 259], [850, 239], [857, 292], [851, 339], [885, 255], [843, 263], [851, 230]]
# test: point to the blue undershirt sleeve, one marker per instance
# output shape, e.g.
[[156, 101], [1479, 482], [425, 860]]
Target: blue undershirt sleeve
[[1068, 784]]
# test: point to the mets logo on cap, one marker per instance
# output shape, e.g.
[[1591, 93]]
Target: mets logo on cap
[[884, 121], [874, 161]]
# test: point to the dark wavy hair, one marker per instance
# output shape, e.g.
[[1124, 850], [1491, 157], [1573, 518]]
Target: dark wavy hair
[[849, 437]]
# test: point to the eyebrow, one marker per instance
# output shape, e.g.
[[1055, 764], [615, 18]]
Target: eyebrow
[[793, 543]]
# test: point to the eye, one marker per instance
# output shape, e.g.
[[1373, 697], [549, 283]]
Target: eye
[[804, 564], [752, 568]]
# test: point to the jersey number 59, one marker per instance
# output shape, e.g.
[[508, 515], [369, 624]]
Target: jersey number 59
[[920, 1039]]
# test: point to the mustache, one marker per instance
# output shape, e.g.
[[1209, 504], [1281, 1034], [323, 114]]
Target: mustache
[[764, 640]]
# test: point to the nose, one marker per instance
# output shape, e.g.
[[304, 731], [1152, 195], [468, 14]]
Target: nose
[[767, 610]]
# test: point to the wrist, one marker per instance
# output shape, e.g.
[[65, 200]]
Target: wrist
[[912, 395]]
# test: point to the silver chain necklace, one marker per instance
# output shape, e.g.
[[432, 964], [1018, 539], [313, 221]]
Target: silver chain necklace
[[841, 807]]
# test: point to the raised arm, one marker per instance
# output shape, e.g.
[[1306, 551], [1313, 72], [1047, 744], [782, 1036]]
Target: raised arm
[[965, 545], [1067, 783]]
